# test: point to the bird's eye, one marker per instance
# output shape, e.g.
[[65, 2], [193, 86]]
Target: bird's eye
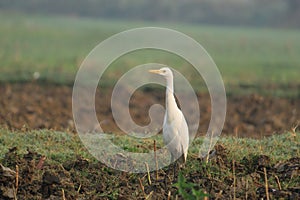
[[164, 71]]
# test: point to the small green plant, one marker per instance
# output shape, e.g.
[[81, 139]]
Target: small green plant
[[188, 190]]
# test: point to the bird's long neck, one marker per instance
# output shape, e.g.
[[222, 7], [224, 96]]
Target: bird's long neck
[[170, 100]]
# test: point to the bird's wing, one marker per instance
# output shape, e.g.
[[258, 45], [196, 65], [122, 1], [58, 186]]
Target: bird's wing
[[184, 136], [176, 136]]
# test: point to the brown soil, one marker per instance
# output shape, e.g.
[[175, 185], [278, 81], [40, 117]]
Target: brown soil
[[39, 106], [81, 179]]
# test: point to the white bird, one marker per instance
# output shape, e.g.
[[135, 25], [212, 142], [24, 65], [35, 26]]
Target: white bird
[[175, 128]]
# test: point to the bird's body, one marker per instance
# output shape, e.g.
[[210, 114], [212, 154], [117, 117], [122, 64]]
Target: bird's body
[[175, 129], [177, 141]]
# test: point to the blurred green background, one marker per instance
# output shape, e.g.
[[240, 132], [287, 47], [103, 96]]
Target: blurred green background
[[255, 44]]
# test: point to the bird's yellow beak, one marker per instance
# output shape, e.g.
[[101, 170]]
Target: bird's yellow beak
[[155, 71]]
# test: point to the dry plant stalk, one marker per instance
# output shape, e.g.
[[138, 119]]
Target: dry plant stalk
[[78, 190], [63, 194], [266, 184], [247, 186], [218, 196], [156, 162], [15, 193], [148, 173], [149, 195], [142, 188], [278, 182], [17, 177], [236, 131], [234, 179], [294, 131], [169, 195], [41, 162], [17, 183]]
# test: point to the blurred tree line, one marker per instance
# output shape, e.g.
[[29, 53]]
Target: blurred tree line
[[284, 13]]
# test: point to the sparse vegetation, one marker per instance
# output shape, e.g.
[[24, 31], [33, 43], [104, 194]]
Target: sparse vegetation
[[187, 189], [86, 177]]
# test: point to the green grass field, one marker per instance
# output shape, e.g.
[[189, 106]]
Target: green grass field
[[56, 46], [60, 147]]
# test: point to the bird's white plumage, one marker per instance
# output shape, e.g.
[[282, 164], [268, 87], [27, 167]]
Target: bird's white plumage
[[175, 129], [176, 138]]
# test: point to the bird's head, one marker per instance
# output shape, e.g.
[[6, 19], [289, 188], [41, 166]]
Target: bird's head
[[165, 71]]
